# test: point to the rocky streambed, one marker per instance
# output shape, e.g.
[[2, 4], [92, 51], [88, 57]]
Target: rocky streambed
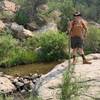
[[47, 86], [10, 85]]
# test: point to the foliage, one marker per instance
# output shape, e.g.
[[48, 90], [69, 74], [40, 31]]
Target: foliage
[[11, 53], [6, 15], [92, 9], [21, 17], [92, 42], [52, 46], [19, 2], [18, 56], [6, 42], [31, 43], [66, 8]]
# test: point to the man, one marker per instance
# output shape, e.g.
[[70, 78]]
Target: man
[[77, 30]]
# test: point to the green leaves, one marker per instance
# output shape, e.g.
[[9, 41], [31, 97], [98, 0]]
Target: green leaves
[[52, 46], [92, 42]]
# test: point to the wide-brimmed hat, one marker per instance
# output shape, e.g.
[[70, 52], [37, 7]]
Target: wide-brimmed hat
[[77, 13]]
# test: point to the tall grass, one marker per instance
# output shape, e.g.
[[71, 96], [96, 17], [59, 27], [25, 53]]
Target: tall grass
[[71, 87]]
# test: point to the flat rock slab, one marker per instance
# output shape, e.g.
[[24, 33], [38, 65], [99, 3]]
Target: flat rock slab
[[48, 88], [90, 74], [6, 85]]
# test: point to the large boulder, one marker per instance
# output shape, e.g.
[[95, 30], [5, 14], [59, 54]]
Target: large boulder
[[7, 6], [8, 10], [49, 27], [48, 87], [6, 85], [20, 31]]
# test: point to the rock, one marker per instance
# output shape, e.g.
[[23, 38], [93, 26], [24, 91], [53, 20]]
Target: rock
[[6, 85], [32, 85], [2, 25], [1, 74], [15, 80], [49, 27], [26, 81], [35, 76], [27, 77], [17, 28], [19, 84], [50, 83], [32, 26], [23, 91], [27, 33], [42, 8], [20, 32], [51, 89], [9, 77], [55, 16], [8, 6]]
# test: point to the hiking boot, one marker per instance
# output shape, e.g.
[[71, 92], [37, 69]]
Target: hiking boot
[[86, 62]]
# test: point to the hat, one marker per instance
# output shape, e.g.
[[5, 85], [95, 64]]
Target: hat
[[77, 13]]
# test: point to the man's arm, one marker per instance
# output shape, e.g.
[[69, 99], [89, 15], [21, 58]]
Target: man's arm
[[84, 24]]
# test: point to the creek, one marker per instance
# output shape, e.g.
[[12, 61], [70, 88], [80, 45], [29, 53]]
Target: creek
[[39, 68]]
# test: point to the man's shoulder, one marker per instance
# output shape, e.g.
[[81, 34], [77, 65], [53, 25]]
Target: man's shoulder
[[84, 21]]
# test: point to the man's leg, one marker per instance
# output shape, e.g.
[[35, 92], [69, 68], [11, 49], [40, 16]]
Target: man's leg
[[74, 55], [83, 56]]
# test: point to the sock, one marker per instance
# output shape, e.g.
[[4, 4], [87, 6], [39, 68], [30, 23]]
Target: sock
[[74, 57], [83, 56]]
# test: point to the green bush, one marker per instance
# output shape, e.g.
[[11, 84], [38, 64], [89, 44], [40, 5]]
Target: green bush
[[31, 43], [6, 16], [6, 43], [49, 46], [21, 17], [52, 46], [92, 42], [11, 53]]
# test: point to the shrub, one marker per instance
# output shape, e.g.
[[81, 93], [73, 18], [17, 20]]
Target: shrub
[[21, 17], [31, 43], [11, 53], [6, 43], [6, 16], [92, 42], [52, 46]]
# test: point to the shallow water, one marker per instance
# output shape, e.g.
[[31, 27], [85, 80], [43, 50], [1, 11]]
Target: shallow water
[[41, 68]]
